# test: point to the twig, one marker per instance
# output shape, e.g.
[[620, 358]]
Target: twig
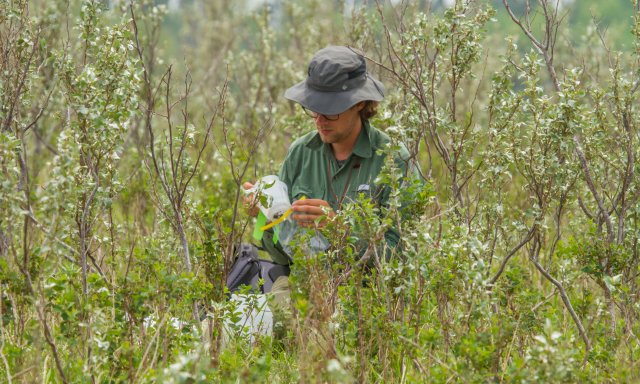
[[7, 368], [587, 175], [513, 340], [547, 298], [522, 243], [546, 47], [567, 303], [151, 342]]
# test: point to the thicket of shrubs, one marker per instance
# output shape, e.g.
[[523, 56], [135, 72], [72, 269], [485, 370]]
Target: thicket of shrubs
[[120, 175]]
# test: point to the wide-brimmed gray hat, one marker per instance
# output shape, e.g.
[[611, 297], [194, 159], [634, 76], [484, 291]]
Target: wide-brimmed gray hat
[[337, 80]]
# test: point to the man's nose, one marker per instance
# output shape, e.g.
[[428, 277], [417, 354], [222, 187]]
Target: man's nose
[[321, 119]]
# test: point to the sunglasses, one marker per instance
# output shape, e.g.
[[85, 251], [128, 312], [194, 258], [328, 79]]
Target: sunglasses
[[315, 115]]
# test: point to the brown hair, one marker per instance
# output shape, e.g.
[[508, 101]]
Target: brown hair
[[370, 109]]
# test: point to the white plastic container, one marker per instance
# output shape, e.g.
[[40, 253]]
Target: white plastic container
[[276, 194]]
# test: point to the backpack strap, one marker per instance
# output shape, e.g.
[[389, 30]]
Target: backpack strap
[[270, 272], [245, 269]]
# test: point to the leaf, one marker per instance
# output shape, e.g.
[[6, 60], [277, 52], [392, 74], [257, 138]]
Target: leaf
[[541, 339]]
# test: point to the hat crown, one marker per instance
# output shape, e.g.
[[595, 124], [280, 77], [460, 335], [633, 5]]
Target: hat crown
[[337, 79], [337, 69]]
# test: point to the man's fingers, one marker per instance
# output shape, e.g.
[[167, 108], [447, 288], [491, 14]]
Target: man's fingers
[[313, 202], [309, 221], [303, 217], [311, 209], [308, 216], [249, 200]]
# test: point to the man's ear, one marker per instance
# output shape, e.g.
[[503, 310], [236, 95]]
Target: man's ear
[[360, 106]]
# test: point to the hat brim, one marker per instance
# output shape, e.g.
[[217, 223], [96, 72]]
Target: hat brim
[[333, 103]]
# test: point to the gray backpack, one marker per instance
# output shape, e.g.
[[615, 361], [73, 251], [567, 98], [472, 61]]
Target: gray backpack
[[248, 268]]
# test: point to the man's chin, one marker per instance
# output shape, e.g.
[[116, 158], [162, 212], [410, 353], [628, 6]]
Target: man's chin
[[326, 138]]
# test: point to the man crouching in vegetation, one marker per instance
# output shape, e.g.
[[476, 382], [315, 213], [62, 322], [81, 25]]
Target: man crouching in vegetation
[[342, 158]]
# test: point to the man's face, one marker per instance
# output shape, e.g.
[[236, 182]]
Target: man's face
[[344, 129]]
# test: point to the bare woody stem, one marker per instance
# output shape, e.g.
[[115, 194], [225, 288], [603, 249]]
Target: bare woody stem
[[513, 251], [546, 46], [567, 303], [587, 176]]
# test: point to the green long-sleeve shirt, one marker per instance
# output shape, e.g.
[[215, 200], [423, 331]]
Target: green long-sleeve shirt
[[310, 169]]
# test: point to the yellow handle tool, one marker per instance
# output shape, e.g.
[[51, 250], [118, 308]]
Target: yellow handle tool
[[279, 219]]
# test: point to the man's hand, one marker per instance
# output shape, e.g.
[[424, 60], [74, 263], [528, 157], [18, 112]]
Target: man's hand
[[307, 211], [250, 201]]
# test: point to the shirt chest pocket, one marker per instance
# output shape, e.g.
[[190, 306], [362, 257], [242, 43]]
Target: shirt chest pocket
[[363, 190]]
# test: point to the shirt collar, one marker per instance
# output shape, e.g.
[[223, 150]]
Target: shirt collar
[[363, 144]]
